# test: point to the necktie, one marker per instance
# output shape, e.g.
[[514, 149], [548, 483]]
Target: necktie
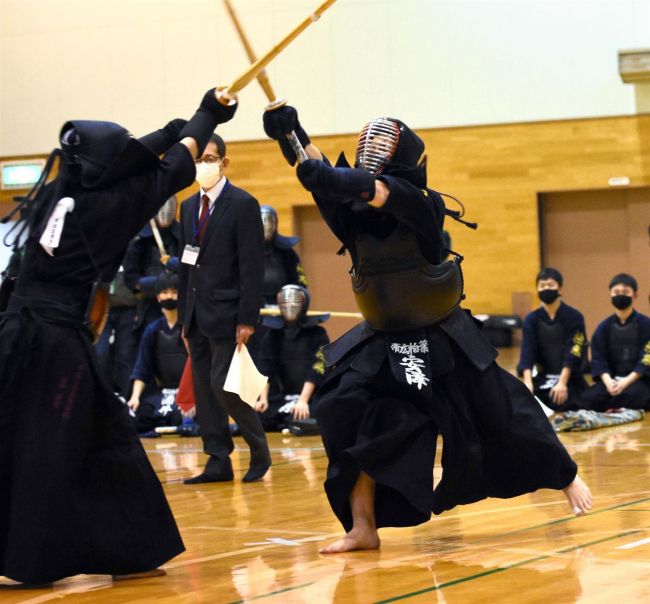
[[204, 216]]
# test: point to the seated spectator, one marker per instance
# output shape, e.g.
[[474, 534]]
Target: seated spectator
[[281, 262], [160, 363], [143, 262], [554, 346], [291, 355], [281, 267], [620, 358]]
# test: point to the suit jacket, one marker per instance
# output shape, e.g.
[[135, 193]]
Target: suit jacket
[[224, 287]]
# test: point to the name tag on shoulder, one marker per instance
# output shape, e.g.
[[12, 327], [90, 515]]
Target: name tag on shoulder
[[190, 254]]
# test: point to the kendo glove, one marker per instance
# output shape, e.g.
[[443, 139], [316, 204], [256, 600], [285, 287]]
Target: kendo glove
[[209, 114], [280, 122], [316, 175], [161, 140]]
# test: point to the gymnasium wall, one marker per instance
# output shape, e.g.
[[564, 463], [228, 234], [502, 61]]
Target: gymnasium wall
[[497, 171]]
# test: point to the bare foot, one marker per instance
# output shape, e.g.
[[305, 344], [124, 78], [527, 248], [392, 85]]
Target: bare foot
[[156, 572], [579, 496], [356, 539]]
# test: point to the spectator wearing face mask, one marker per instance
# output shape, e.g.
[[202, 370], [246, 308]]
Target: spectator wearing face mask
[[620, 359], [160, 363], [553, 346], [221, 278]]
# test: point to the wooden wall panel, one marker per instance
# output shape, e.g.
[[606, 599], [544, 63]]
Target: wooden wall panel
[[497, 171]]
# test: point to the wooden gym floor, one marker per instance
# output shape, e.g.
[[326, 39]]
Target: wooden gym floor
[[259, 542]]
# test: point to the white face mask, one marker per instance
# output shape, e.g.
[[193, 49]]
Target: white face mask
[[208, 175]]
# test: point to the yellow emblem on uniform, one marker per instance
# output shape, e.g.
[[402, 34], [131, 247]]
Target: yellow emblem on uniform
[[645, 360], [319, 365], [302, 278], [578, 342]]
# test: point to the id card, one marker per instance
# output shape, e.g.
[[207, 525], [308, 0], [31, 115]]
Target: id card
[[190, 254]]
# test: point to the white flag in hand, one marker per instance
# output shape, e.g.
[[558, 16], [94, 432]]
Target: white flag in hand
[[243, 377]]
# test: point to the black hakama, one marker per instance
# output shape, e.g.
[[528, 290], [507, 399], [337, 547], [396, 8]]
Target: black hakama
[[77, 492], [497, 442]]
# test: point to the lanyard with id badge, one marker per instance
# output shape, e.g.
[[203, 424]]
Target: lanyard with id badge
[[191, 252]]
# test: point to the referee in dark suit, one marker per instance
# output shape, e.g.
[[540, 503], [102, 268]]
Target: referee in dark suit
[[220, 294]]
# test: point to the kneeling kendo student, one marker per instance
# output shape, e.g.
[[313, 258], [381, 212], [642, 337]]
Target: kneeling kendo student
[[160, 363], [620, 361], [554, 345], [291, 354]]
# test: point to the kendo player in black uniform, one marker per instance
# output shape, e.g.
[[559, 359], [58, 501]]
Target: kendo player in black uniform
[[143, 262], [291, 354], [281, 262], [78, 492], [620, 353], [554, 343], [418, 365], [160, 363], [281, 267]]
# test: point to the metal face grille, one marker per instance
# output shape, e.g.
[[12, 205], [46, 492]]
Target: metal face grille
[[376, 145], [291, 300], [269, 222], [167, 213]]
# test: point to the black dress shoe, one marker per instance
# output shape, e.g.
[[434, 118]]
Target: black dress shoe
[[215, 471], [206, 477], [256, 472]]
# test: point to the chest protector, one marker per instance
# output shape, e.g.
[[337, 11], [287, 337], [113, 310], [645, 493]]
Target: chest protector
[[297, 356], [170, 357], [623, 347], [275, 273], [550, 346], [397, 288]]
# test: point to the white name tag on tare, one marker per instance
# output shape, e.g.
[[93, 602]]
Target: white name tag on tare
[[51, 236], [190, 254]]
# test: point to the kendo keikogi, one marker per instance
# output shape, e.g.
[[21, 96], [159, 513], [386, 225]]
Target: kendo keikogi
[[549, 345], [78, 492], [418, 365], [281, 262], [143, 260], [618, 349], [159, 366], [291, 354]]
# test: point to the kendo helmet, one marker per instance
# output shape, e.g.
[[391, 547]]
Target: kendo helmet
[[388, 146], [293, 301], [269, 222], [104, 152]]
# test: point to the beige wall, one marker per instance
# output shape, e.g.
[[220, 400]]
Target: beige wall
[[590, 236], [432, 63]]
